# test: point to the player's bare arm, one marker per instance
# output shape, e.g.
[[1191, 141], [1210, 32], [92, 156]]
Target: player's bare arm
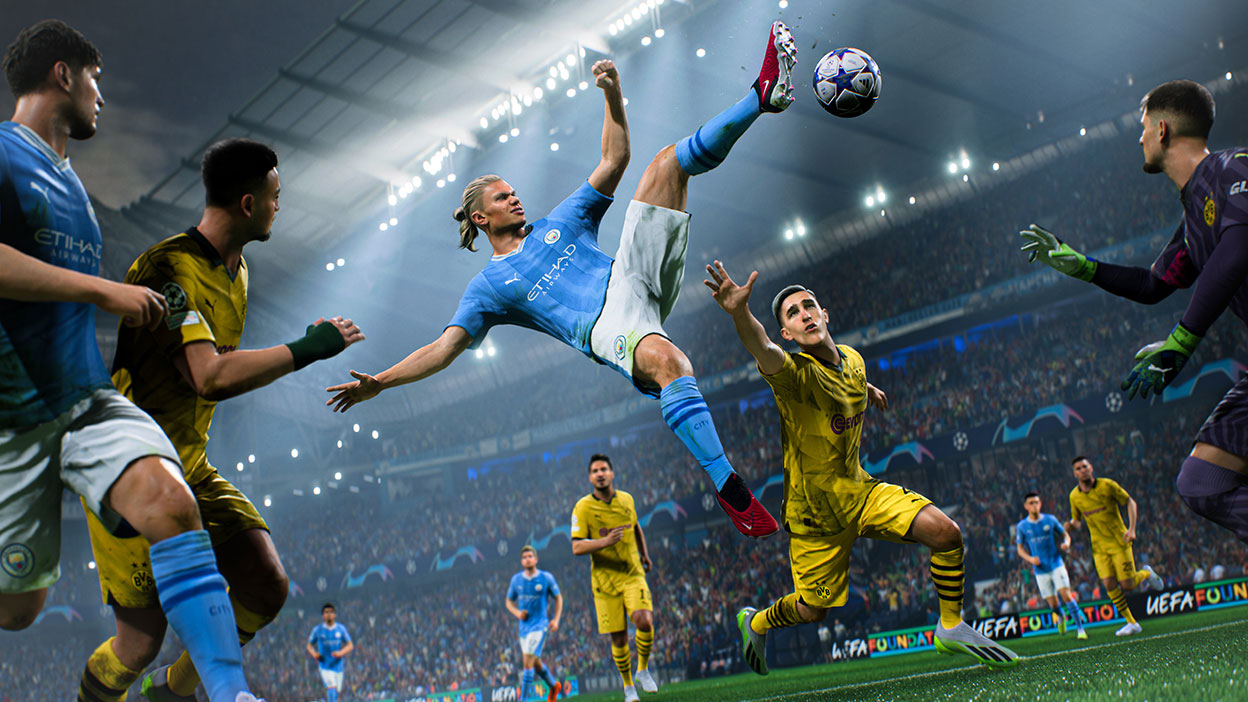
[[28, 279], [312, 652], [219, 376], [1133, 510], [1023, 554], [735, 300], [615, 147], [641, 548], [876, 397], [420, 364], [553, 624], [515, 611], [581, 547]]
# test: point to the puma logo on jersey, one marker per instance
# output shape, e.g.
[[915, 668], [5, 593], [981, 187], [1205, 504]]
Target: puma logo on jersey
[[1240, 187], [509, 282]]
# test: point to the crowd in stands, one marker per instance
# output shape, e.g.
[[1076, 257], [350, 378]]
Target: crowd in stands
[[1051, 356]]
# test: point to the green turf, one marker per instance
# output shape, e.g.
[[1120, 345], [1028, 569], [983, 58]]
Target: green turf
[[1194, 657]]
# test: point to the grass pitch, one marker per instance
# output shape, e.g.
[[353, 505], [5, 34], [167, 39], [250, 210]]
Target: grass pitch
[[1192, 657]]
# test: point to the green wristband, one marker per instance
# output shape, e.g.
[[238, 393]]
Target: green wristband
[[321, 341]]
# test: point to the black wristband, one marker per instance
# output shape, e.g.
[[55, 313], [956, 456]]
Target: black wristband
[[320, 342]]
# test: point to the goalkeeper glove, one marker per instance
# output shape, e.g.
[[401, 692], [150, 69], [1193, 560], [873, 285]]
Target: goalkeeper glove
[[1159, 363], [1042, 244]]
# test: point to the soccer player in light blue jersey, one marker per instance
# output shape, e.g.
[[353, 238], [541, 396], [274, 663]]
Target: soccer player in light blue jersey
[[550, 275], [328, 645], [1038, 535], [62, 424], [527, 596]]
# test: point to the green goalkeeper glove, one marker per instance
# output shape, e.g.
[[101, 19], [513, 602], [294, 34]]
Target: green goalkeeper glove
[[1159, 363], [1046, 247]]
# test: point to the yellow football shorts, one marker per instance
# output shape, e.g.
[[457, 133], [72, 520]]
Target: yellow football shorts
[[821, 563], [123, 563], [1117, 561], [614, 602]]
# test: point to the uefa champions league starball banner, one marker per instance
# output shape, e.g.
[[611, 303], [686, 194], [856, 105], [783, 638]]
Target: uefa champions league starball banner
[[1098, 613]]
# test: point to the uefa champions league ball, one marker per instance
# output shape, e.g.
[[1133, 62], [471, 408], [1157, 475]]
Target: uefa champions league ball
[[847, 82]]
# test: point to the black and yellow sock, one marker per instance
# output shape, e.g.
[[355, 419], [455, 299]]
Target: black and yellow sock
[[182, 676], [947, 576], [624, 662], [1120, 601], [782, 613], [106, 678], [644, 639]]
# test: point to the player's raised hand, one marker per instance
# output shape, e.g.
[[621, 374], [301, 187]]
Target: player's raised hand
[[137, 305], [350, 332], [733, 298], [364, 387], [605, 74], [876, 397]]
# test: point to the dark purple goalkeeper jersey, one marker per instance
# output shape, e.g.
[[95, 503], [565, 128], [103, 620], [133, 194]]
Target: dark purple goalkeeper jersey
[[1213, 235]]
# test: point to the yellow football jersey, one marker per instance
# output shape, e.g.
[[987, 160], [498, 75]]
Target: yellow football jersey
[[592, 518], [1099, 509], [821, 413], [206, 303]]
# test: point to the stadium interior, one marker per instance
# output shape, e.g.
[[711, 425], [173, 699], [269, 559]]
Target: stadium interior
[[409, 512]]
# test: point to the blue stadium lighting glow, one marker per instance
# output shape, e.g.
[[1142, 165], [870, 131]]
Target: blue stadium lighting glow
[[340, 443], [268, 501], [341, 262], [251, 458], [376, 434], [645, 41], [329, 266], [996, 166], [239, 466], [700, 53], [337, 476], [1083, 131], [554, 146], [953, 168], [316, 490], [294, 453], [356, 428]]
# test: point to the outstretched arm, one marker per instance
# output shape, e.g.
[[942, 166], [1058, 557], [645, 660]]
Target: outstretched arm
[[615, 149], [218, 376], [735, 300], [419, 364]]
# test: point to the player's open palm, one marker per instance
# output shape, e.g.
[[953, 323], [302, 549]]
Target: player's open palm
[[605, 74], [137, 305], [730, 296], [364, 387]]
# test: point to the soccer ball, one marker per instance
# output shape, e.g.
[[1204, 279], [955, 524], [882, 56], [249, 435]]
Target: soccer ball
[[847, 82]]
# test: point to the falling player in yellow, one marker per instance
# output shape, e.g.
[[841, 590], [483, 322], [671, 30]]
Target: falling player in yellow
[[177, 372], [829, 500], [605, 526], [1096, 501]]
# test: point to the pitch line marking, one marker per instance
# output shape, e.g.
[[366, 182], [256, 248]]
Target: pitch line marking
[[933, 673]]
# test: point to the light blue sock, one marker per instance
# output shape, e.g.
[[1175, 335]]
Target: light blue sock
[[526, 684], [193, 595], [331, 695], [544, 672], [1075, 614], [709, 146], [685, 411]]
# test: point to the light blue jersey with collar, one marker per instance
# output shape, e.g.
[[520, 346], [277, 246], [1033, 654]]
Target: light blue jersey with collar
[[326, 640], [532, 595], [1041, 538], [49, 358], [555, 282]]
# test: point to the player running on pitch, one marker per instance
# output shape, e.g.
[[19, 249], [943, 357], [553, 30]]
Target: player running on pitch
[[527, 596], [177, 372], [1096, 501], [62, 424], [551, 276], [1209, 249], [605, 526], [829, 500], [328, 645], [1037, 537]]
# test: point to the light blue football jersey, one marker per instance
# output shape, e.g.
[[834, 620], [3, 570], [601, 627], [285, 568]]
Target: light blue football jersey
[[326, 640], [555, 282], [1041, 538], [49, 358], [532, 595]]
